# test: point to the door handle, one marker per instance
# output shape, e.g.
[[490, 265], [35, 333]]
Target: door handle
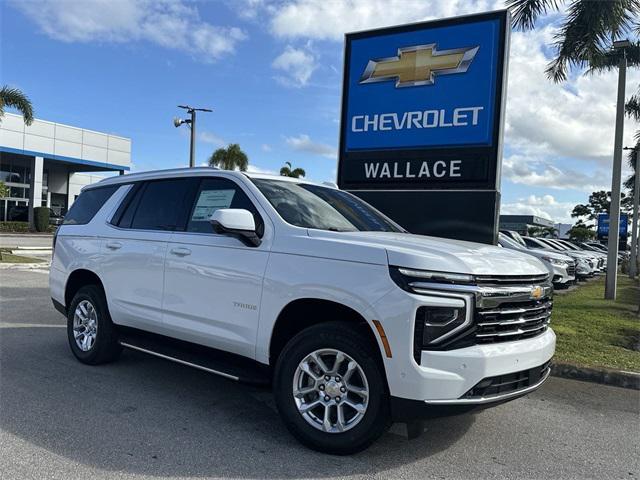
[[114, 245], [181, 251]]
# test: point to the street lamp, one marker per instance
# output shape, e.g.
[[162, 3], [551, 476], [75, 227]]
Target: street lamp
[[616, 179], [192, 124], [633, 259]]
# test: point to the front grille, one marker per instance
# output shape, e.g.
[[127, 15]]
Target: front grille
[[571, 269], [507, 383], [512, 321], [511, 279]]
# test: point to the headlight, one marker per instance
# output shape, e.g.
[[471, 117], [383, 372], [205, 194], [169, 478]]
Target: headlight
[[403, 277], [556, 262], [435, 324]]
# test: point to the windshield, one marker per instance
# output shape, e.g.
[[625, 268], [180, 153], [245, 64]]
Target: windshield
[[322, 208]]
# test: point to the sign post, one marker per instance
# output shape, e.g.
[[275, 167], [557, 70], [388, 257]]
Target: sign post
[[421, 124]]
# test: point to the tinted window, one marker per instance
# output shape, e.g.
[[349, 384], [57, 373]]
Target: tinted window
[[312, 206], [214, 194], [160, 205], [87, 205]]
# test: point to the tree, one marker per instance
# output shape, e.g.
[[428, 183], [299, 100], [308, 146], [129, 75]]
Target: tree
[[12, 97], [581, 232], [230, 158], [585, 36], [600, 202], [286, 171], [4, 190]]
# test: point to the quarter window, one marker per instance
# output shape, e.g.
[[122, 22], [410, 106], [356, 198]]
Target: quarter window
[[88, 204]]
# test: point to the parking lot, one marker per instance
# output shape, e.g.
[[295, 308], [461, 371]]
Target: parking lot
[[145, 418]]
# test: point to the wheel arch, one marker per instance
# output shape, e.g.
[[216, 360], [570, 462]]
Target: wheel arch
[[303, 313], [78, 279]]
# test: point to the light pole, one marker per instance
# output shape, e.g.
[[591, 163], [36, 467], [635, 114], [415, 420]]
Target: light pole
[[192, 124], [616, 180], [633, 259]]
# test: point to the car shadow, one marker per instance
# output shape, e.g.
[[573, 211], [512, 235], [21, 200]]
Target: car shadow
[[147, 416]]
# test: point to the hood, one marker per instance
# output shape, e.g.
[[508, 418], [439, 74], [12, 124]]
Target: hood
[[441, 254]]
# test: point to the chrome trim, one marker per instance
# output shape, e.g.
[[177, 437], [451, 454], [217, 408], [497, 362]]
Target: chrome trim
[[510, 333], [493, 398], [468, 307], [518, 321], [182, 362]]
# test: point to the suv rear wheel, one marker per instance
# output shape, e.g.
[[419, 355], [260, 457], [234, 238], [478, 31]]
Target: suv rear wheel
[[330, 390], [92, 336]]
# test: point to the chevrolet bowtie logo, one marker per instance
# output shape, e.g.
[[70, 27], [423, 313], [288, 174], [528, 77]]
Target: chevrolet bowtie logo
[[418, 65]]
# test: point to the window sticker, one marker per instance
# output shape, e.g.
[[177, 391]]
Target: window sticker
[[209, 201]]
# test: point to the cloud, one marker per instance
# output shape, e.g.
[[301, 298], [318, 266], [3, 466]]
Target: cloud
[[171, 24], [255, 169], [526, 170], [211, 138], [575, 119], [329, 20], [297, 63], [265, 147], [303, 143], [545, 206]]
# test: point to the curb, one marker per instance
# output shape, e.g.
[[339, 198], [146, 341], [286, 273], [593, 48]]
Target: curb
[[616, 378]]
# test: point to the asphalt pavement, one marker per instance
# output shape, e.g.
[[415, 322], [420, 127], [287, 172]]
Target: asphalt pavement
[[143, 417]]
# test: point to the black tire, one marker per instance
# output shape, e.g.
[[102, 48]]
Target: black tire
[[106, 347], [347, 339]]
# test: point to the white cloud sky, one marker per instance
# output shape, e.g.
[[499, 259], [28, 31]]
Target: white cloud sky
[[330, 19], [545, 206], [172, 24], [297, 64], [303, 143], [211, 138]]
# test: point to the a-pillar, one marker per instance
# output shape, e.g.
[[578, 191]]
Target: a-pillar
[[35, 187]]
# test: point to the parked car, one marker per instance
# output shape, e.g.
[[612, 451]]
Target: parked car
[[353, 321], [55, 218], [561, 267], [602, 257], [594, 259], [584, 267]]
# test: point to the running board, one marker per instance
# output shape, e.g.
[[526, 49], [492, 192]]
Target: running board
[[223, 364]]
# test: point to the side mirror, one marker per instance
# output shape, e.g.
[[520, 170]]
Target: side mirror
[[237, 222]]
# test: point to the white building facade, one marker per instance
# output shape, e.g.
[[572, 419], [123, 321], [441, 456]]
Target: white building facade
[[48, 163]]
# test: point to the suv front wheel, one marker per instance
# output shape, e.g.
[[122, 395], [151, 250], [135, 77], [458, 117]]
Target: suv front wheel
[[330, 391], [92, 336]]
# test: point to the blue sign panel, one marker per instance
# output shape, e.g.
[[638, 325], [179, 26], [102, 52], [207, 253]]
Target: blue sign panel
[[428, 87], [603, 225], [422, 105]]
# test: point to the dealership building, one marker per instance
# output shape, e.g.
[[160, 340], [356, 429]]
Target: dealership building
[[48, 163], [521, 223]]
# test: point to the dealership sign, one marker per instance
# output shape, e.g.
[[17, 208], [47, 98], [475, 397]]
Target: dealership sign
[[603, 225], [423, 105]]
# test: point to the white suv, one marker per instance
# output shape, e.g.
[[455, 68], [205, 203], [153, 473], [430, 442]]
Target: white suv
[[353, 321]]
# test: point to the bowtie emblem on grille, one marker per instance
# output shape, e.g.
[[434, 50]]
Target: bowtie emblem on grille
[[536, 292]]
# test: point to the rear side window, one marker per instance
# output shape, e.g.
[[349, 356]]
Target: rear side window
[[87, 205], [157, 205]]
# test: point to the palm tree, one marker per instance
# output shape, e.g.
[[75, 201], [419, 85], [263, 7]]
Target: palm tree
[[12, 97], [230, 158], [586, 33], [295, 173]]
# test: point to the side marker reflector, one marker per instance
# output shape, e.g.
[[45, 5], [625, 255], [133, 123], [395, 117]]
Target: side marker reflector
[[383, 338]]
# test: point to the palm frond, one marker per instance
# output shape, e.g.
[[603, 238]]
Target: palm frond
[[526, 12], [13, 97], [585, 36], [611, 59]]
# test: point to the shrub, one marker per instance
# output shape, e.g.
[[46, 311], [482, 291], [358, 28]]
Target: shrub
[[41, 219], [14, 227]]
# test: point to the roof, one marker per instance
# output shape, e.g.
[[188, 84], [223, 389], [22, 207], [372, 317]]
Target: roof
[[195, 171]]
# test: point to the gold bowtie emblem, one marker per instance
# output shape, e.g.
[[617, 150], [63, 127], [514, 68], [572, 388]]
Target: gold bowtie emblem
[[418, 65]]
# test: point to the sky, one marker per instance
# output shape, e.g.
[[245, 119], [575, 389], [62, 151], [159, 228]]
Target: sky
[[272, 71]]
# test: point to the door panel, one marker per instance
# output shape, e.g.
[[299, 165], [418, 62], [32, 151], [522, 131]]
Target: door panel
[[132, 275], [212, 294]]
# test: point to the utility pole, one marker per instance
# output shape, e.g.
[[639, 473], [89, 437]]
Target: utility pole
[[633, 259], [616, 180], [192, 124]]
